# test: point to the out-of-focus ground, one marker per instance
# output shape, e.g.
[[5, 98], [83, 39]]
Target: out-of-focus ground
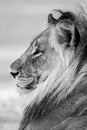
[[20, 20]]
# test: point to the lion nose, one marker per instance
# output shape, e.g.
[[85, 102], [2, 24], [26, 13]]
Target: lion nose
[[14, 74], [15, 68]]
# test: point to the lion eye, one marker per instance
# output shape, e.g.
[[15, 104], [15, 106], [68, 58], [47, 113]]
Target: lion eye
[[37, 53], [37, 50]]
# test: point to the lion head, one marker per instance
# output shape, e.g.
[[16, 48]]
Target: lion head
[[55, 62]]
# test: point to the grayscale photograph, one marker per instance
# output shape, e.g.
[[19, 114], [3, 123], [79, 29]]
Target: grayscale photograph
[[43, 57]]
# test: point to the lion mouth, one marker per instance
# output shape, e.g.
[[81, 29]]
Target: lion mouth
[[26, 83]]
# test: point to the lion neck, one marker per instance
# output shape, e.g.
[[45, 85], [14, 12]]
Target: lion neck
[[47, 114]]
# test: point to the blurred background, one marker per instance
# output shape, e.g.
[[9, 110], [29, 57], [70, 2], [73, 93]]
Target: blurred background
[[20, 20]]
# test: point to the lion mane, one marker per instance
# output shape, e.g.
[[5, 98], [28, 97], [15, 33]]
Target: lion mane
[[59, 101]]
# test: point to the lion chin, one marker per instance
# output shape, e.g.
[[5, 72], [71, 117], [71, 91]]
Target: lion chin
[[25, 83], [53, 72]]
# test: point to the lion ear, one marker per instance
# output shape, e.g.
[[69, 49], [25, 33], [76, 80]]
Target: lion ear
[[67, 30], [69, 33], [54, 16]]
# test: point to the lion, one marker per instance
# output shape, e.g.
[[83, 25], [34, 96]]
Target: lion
[[52, 73]]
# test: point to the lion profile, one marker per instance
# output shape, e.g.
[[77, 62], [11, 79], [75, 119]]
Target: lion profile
[[53, 70]]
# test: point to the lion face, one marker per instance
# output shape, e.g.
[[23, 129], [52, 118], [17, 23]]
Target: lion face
[[36, 63], [48, 55]]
